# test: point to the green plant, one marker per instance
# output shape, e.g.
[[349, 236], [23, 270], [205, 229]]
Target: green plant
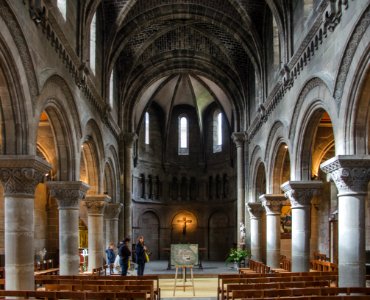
[[238, 255]]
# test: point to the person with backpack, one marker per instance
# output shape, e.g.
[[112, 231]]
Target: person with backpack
[[124, 253]]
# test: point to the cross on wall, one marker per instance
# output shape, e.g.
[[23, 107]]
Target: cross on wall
[[185, 221]]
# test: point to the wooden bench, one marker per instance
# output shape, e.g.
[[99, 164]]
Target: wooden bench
[[146, 287], [249, 278], [150, 280], [100, 271], [320, 265], [39, 280], [320, 256], [274, 285], [298, 292], [258, 267], [52, 271], [127, 295]]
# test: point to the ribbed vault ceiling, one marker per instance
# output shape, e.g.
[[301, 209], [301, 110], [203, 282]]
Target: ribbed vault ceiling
[[183, 89], [147, 41]]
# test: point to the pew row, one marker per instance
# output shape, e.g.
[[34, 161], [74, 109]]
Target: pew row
[[124, 295], [299, 292], [41, 281]]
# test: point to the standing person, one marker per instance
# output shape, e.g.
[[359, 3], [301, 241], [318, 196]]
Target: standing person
[[140, 255], [111, 256], [124, 255]]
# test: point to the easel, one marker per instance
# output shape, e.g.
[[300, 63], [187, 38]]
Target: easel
[[184, 267]]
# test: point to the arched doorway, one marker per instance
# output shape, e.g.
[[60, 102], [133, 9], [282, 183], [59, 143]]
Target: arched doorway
[[219, 225], [149, 228]]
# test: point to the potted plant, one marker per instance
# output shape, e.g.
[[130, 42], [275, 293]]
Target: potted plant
[[237, 256]]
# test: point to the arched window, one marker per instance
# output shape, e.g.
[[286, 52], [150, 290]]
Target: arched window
[[217, 131], [62, 6], [111, 89], [275, 43], [183, 136], [146, 122], [93, 44], [307, 8]]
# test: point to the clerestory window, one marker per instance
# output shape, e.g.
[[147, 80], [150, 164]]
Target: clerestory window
[[93, 44], [146, 128], [111, 89], [217, 132], [276, 43], [62, 6], [183, 136]]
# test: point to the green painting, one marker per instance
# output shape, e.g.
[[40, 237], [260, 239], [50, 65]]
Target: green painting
[[184, 254]]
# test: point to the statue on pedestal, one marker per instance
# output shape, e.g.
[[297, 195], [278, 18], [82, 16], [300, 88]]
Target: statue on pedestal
[[242, 233]]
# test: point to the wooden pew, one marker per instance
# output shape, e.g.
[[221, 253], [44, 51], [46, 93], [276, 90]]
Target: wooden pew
[[298, 292], [83, 284], [128, 295], [275, 285], [95, 279], [99, 271], [319, 265], [53, 271], [249, 278]]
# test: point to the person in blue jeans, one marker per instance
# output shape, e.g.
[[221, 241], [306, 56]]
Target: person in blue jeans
[[124, 253], [111, 256], [140, 255]]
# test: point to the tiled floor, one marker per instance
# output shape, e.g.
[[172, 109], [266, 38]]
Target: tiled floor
[[205, 280], [209, 268]]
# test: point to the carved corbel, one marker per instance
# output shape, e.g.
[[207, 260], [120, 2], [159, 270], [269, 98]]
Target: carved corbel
[[38, 11], [332, 15]]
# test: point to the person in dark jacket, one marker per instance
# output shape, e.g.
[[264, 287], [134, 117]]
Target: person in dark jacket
[[124, 253], [111, 256], [140, 255]]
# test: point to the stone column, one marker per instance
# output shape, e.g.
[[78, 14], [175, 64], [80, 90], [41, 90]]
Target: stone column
[[19, 175], [300, 194], [351, 174], [95, 218], [129, 139], [112, 211], [255, 211], [239, 139], [68, 195], [272, 204]]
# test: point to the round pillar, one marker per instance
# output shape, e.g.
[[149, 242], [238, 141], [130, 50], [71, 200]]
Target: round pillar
[[351, 174], [19, 175], [256, 210], [95, 219], [112, 211], [68, 195], [300, 194], [272, 204], [239, 139], [129, 139]]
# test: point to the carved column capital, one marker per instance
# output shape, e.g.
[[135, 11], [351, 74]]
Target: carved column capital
[[112, 210], [68, 193], [255, 210], [351, 173], [95, 204], [238, 138], [129, 138], [19, 174], [300, 193], [272, 203]]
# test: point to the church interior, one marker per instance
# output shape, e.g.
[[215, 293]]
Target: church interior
[[222, 123]]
